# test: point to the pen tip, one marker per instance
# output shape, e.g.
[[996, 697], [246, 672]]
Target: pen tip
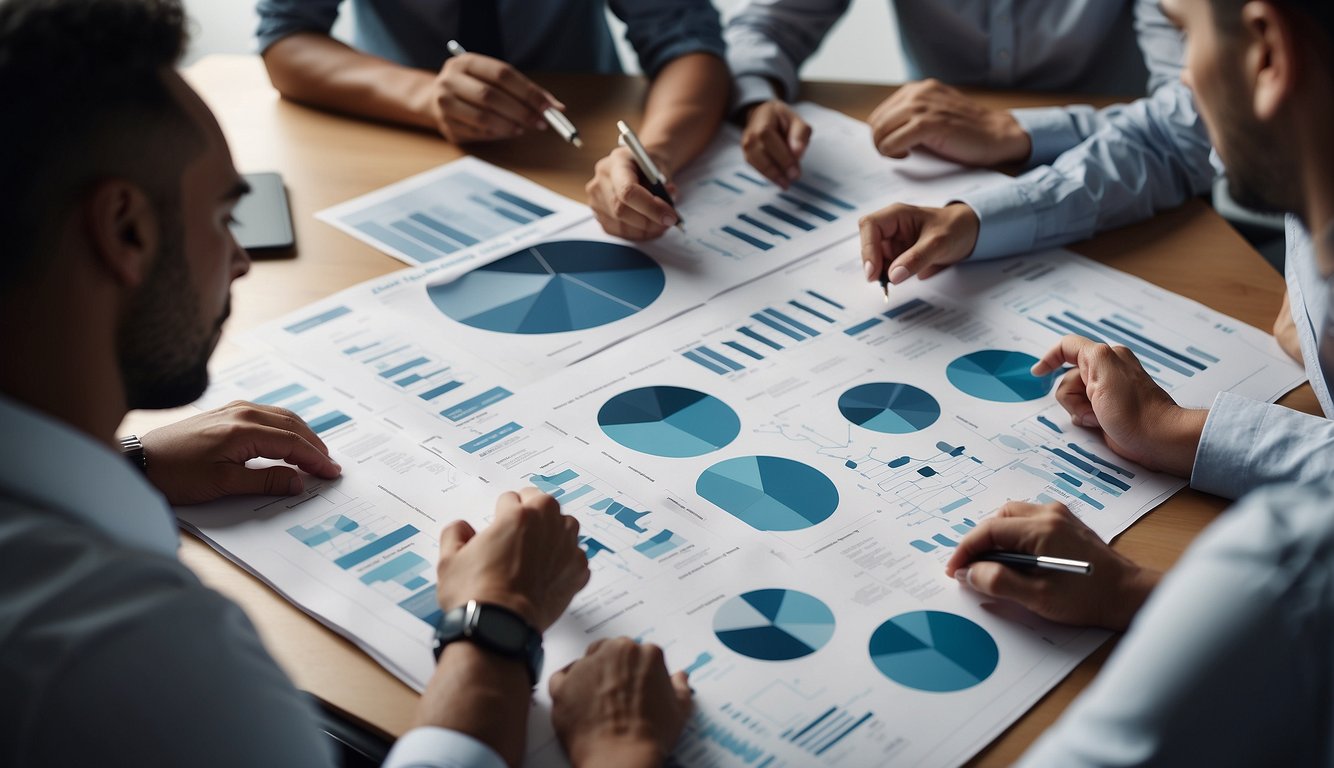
[[886, 297], [577, 142]]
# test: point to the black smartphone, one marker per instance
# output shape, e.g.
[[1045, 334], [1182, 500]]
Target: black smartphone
[[263, 219]]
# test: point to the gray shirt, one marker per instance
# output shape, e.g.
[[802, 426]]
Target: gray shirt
[[551, 35]]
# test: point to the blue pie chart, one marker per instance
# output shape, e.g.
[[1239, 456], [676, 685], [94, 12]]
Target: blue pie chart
[[934, 651], [774, 624], [673, 422], [769, 493], [894, 409], [999, 376], [567, 285]]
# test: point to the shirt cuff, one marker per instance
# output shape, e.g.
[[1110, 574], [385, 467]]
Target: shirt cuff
[[1007, 223], [1232, 427], [1051, 131], [431, 747], [751, 89]]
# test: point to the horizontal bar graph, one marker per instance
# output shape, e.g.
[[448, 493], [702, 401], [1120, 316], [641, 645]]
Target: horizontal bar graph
[[317, 320], [774, 329]]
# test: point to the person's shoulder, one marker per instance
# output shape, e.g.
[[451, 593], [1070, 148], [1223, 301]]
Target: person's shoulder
[[1290, 525]]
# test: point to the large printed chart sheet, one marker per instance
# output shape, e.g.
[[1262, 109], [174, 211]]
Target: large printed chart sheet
[[769, 475]]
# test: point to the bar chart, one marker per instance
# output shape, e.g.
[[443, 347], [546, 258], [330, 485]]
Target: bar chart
[[309, 406], [766, 332], [747, 214]]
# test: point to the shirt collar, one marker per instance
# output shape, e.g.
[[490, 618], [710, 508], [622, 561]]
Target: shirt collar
[[53, 466]]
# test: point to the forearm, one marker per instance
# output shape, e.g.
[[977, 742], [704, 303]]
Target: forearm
[[317, 70], [685, 107], [478, 693]]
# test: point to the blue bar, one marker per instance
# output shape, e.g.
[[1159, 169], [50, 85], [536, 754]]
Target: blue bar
[[532, 208], [320, 319], [329, 421], [826, 299], [395, 568], [813, 723], [432, 394], [1099, 460], [511, 215], [1110, 332], [406, 228], [423, 605], [944, 540], [1069, 328], [279, 394], [472, 405], [808, 208], [694, 358], [839, 738], [754, 222], [903, 308], [408, 381], [779, 213], [566, 498], [1130, 322], [726, 186], [1049, 424], [415, 583], [403, 245], [778, 327], [718, 358], [743, 349], [298, 407], [494, 436], [362, 348], [922, 546], [383, 355], [359, 556], [403, 367], [748, 333], [751, 179], [444, 229], [825, 196], [1145, 340], [1201, 353], [806, 329], [953, 505], [810, 311], [859, 327], [742, 236]]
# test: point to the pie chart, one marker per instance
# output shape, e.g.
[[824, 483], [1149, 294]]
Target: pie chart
[[774, 624], [567, 285], [769, 493], [895, 409], [934, 651], [673, 422], [998, 375]]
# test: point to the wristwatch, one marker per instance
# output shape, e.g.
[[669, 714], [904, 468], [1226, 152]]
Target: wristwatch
[[133, 451], [495, 628]]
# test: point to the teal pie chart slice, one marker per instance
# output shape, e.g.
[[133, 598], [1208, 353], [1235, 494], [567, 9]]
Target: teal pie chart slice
[[672, 422], [774, 624], [769, 493], [999, 376], [893, 409], [934, 651], [557, 287]]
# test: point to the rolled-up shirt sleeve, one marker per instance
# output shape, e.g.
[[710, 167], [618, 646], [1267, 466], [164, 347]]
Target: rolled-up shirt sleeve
[[769, 40], [663, 31], [280, 18]]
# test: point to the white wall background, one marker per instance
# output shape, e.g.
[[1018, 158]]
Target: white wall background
[[862, 47]]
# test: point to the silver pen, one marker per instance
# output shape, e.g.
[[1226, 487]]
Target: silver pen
[[657, 182], [554, 117], [1041, 562]]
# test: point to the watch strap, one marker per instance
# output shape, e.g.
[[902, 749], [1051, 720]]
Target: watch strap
[[133, 451], [475, 622]]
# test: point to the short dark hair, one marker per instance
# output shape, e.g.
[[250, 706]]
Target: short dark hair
[[1227, 14], [85, 99]]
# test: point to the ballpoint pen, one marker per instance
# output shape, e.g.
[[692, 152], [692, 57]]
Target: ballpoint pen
[[657, 182], [1041, 562], [554, 117], [884, 282]]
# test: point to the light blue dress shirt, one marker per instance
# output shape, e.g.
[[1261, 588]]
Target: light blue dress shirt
[[550, 35], [1231, 661], [1247, 443], [113, 653]]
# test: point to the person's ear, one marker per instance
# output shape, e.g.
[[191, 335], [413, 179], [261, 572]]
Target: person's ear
[[123, 228], [1271, 57]]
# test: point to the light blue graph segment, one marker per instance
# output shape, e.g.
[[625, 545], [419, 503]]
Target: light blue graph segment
[[673, 422], [894, 409], [934, 651], [999, 376], [770, 493]]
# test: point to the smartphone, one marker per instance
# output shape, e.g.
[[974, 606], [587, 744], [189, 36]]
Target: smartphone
[[263, 219]]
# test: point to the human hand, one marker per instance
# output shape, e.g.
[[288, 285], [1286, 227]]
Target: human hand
[[908, 240], [934, 116], [1285, 332], [1109, 390], [203, 458], [774, 139], [527, 560], [618, 707], [478, 98], [1107, 597], [622, 204]]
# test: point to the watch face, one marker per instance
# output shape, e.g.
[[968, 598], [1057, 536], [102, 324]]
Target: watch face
[[504, 629]]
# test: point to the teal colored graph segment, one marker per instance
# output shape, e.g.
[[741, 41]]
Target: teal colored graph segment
[[999, 376], [557, 287], [934, 651], [769, 493], [893, 409], [774, 624], [673, 422]]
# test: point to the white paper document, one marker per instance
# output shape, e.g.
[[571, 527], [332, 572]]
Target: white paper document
[[769, 476]]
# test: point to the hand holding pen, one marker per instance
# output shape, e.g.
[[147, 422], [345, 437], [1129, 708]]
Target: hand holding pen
[[630, 193], [478, 98]]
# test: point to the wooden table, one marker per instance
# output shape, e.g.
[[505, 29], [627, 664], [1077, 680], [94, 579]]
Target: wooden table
[[326, 159]]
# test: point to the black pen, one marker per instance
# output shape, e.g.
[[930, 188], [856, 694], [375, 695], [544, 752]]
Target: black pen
[[657, 182], [554, 117], [1041, 562], [884, 282]]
